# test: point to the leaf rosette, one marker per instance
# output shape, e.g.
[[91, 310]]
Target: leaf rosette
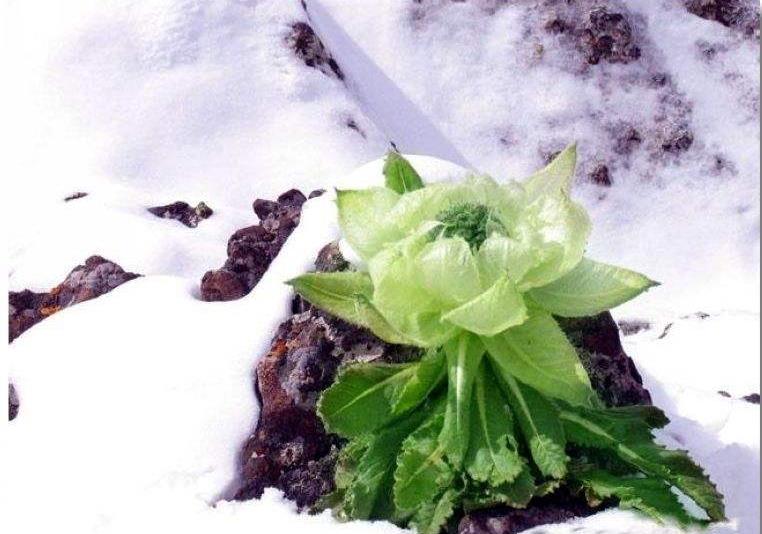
[[499, 409]]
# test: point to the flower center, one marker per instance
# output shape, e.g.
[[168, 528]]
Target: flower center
[[472, 222]]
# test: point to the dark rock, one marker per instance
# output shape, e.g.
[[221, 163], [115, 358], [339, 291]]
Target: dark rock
[[723, 393], [557, 25], [630, 328], [608, 36], [96, 277], [740, 15], [252, 249], [292, 198], [352, 124], [291, 450], [556, 508], [75, 196], [753, 398], [627, 140], [310, 49], [600, 176], [24, 311], [330, 260], [13, 403], [183, 212], [222, 285], [612, 372], [677, 141]]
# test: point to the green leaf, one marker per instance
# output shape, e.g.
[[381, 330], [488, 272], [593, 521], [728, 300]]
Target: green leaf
[[493, 455], [633, 444], [651, 496], [538, 353], [556, 176], [447, 270], [516, 494], [344, 474], [346, 295], [493, 311], [360, 400], [400, 175], [556, 229], [363, 216], [589, 289], [369, 496], [538, 421], [429, 374], [432, 516], [464, 354], [422, 471]]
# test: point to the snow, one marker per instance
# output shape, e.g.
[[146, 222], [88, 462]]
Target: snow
[[504, 92], [134, 405]]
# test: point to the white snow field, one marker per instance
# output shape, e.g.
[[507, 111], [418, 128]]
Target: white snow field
[[134, 405]]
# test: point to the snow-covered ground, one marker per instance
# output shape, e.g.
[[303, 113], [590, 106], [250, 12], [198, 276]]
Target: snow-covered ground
[[134, 405]]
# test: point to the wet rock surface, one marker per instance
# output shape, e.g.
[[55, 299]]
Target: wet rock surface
[[252, 249], [308, 47], [185, 213], [291, 450], [740, 15], [87, 281]]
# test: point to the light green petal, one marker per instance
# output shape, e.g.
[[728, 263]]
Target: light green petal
[[495, 310], [364, 218], [589, 289], [499, 255], [447, 270], [556, 176], [399, 297], [557, 229]]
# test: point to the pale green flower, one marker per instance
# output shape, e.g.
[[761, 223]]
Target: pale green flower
[[478, 258], [454, 256]]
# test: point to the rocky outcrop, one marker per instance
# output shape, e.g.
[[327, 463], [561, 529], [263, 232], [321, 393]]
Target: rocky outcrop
[[88, 281], [612, 372], [252, 249], [183, 212], [27, 308], [291, 450], [740, 15]]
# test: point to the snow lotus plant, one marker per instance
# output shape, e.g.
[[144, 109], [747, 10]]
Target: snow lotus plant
[[499, 408]]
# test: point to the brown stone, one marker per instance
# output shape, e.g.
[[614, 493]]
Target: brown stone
[[88, 281]]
